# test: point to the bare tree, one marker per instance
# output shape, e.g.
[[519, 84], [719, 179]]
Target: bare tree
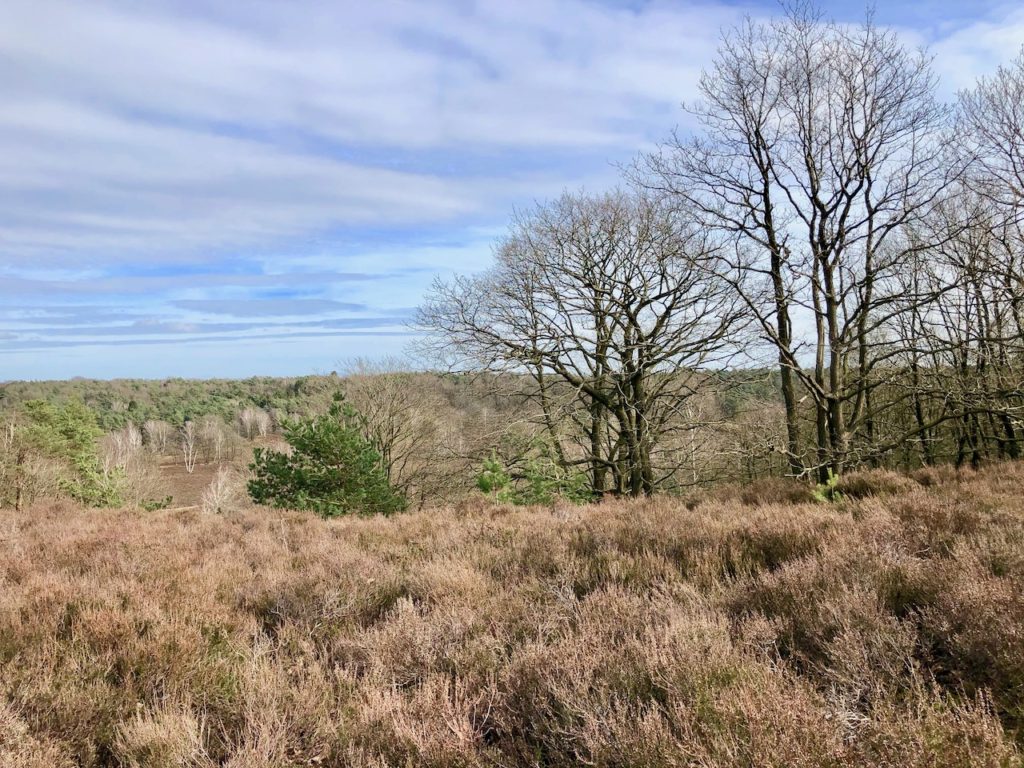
[[223, 492], [189, 445], [158, 435], [990, 132], [820, 143], [401, 415], [254, 421], [120, 447], [608, 304], [214, 439], [966, 344], [961, 332]]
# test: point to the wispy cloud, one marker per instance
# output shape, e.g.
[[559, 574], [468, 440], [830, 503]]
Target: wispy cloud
[[979, 47], [267, 307], [157, 129]]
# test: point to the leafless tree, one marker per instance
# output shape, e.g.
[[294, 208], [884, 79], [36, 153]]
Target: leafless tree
[[254, 421], [215, 439], [401, 415], [819, 144], [158, 435], [608, 304], [990, 133], [189, 445], [120, 447], [966, 345], [960, 334], [223, 492]]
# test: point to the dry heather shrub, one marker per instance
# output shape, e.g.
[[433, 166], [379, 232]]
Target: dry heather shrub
[[879, 632], [973, 631], [20, 749], [162, 738], [930, 477], [934, 730], [765, 491], [933, 526], [875, 482], [776, 490]]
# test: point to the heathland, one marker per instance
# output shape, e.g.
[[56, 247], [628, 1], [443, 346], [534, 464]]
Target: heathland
[[718, 468], [751, 626]]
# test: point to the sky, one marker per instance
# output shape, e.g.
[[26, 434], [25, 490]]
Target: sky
[[205, 188]]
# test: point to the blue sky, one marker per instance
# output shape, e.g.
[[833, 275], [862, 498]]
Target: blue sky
[[227, 189]]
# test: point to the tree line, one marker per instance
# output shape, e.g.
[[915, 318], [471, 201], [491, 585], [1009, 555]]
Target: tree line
[[428, 431]]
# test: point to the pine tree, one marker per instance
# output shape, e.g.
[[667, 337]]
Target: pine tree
[[331, 469]]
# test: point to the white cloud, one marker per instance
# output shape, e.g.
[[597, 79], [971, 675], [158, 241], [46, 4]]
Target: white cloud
[[281, 135], [975, 50], [134, 129]]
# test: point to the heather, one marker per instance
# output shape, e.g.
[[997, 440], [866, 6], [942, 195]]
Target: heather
[[749, 627]]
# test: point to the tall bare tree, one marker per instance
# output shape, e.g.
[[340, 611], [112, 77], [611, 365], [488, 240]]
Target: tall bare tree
[[189, 445], [818, 144], [253, 422], [964, 344], [158, 434], [990, 132], [609, 304], [401, 415]]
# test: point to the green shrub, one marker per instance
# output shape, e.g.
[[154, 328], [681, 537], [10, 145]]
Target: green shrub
[[153, 505], [542, 481], [493, 479], [545, 481], [829, 490], [331, 469]]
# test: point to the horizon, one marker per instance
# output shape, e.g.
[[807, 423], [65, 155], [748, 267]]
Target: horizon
[[192, 192]]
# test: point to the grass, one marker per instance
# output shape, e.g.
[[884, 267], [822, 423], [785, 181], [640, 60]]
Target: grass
[[752, 629]]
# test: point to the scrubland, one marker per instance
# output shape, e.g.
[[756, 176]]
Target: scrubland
[[753, 628]]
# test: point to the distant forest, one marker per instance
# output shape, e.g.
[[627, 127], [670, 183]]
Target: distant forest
[[432, 430]]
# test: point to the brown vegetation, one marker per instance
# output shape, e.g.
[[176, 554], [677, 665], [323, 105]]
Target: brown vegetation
[[884, 630]]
